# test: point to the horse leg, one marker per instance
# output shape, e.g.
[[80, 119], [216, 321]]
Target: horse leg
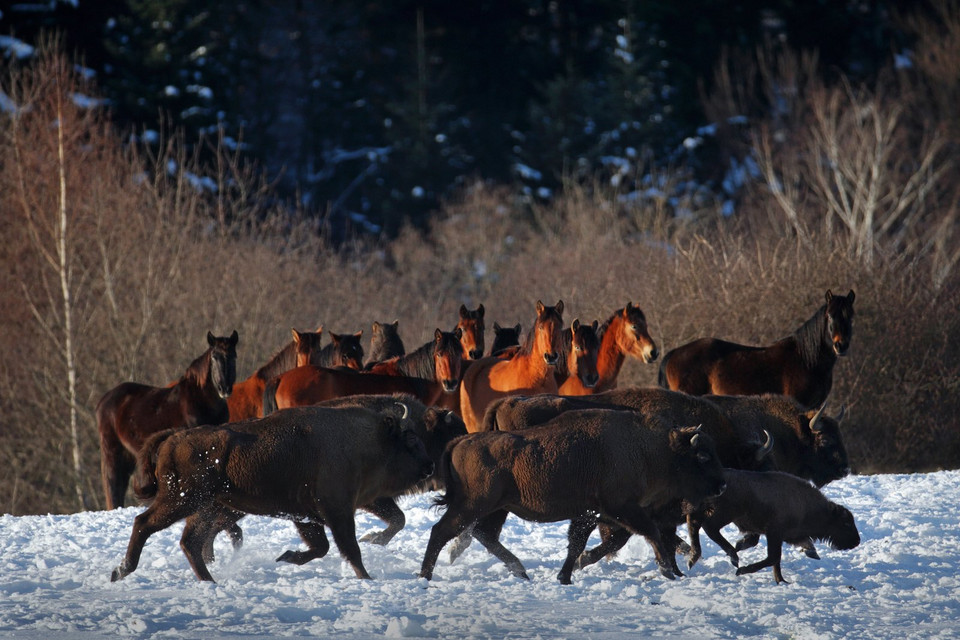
[[451, 524], [774, 550], [387, 510], [317, 544], [116, 466], [487, 532], [198, 529], [577, 535], [612, 539], [157, 517], [344, 531]]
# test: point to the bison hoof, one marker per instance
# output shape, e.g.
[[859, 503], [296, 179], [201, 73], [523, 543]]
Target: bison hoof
[[667, 572], [564, 579], [376, 538], [735, 561], [293, 557], [812, 553], [692, 561]]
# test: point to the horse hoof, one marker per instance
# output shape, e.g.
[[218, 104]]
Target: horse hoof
[[117, 574], [667, 572]]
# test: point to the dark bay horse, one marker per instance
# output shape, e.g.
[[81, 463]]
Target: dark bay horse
[[344, 350], [385, 342], [578, 374], [428, 374], [624, 334], [246, 401], [527, 372], [472, 328], [130, 412], [505, 338], [799, 365]]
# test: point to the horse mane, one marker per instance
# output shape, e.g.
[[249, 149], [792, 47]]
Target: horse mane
[[199, 369], [418, 363], [809, 337], [602, 329], [283, 360]]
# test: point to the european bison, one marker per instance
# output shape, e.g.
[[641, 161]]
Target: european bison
[[312, 465], [580, 466], [780, 506]]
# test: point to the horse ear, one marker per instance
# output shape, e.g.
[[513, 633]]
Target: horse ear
[[458, 332], [540, 308], [234, 338], [395, 323], [480, 310], [463, 311], [335, 338], [576, 324], [850, 296], [559, 306], [496, 327], [519, 329], [376, 327], [596, 323], [296, 335], [358, 334], [829, 296], [438, 335], [210, 339]]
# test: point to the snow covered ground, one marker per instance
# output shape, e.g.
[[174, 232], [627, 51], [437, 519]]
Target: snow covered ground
[[901, 582]]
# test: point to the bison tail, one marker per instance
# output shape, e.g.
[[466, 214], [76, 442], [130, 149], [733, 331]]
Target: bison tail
[[145, 482], [270, 396], [446, 477], [490, 415]]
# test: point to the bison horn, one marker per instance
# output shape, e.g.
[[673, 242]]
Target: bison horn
[[843, 409], [406, 411], [694, 439], [816, 417], [766, 447]]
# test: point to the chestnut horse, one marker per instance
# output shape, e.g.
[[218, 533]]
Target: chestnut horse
[[130, 412], [432, 372], [527, 372], [385, 342], [246, 401], [577, 376], [623, 334], [800, 365], [471, 324]]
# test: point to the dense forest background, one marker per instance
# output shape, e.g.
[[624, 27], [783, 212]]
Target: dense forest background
[[259, 166]]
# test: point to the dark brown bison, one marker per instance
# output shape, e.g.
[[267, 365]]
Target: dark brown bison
[[799, 365], [780, 506], [581, 466], [312, 465]]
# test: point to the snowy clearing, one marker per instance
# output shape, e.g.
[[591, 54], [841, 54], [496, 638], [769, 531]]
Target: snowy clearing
[[901, 582]]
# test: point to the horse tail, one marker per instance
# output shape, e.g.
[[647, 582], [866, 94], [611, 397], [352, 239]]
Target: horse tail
[[270, 396], [145, 484], [662, 371]]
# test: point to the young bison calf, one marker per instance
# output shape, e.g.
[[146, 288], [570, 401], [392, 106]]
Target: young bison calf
[[778, 505], [312, 465]]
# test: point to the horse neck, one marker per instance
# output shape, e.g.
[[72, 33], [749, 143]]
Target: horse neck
[[813, 343], [198, 373], [610, 357], [284, 360], [531, 361], [418, 363]]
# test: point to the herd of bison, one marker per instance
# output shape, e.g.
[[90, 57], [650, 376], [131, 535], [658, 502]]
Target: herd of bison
[[537, 427]]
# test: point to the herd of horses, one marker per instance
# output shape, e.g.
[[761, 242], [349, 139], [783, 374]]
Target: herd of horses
[[451, 372]]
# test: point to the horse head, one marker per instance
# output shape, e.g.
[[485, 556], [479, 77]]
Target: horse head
[[634, 337], [472, 329], [584, 350], [307, 345], [448, 358], [548, 332], [223, 363], [347, 350], [839, 325]]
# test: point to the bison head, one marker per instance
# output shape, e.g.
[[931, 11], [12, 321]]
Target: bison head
[[839, 528], [698, 471], [827, 460]]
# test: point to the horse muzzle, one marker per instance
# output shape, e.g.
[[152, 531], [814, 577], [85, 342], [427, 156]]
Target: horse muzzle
[[427, 470], [450, 386], [840, 348], [591, 381], [476, 354], [551, 359]]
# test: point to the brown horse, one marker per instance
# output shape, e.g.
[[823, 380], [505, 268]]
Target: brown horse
[[623, 334], [527, 372], [385, 342], [800, 365], [130, 412], [246, 401], [579, 371], [428, 374], [344, 350], [471, 324]]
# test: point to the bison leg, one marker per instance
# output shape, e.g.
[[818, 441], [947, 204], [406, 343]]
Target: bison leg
[[449, 526], [714, 533], [317, 544], [748, 541], [387, 510], [487, 532], [223, 520], [344, 531], [612, 539], [577, 535], [693, 529], [637, 521], [809, 549], [157, 517], [774, 550]]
